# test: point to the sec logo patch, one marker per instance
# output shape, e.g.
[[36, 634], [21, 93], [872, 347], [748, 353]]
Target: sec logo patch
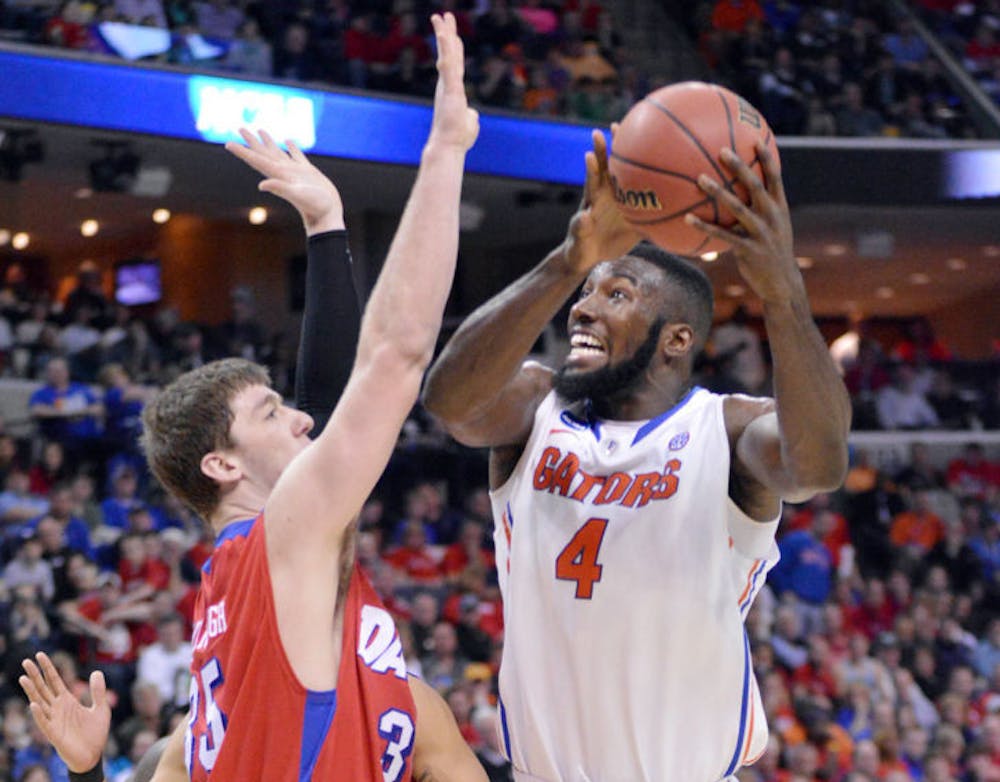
[[678, 441]]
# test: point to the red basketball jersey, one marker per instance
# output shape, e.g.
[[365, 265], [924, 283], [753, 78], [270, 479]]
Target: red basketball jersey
[[251, 719]]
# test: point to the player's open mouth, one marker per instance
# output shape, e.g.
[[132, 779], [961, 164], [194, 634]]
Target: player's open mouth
[[585, 348]]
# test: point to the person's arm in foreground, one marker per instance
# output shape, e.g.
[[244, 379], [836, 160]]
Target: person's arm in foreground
[[331, 319], [800, 448], [440, 754], [480, 387]]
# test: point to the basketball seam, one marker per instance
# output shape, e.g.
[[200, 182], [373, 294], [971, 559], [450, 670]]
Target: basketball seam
[[654, 169], [695, 140], [729, 119]]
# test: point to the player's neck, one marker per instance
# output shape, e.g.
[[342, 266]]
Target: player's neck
[[242, 503], [656, 395]]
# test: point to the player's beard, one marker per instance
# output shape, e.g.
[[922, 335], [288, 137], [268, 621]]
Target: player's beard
[[611, 381]]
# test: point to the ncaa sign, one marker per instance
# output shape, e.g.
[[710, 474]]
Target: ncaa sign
[[222, 106]]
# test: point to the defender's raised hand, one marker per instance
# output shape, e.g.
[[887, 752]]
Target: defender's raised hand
[[77, 732], [292, 177], [762, 239], [454, 122], [598, 231]]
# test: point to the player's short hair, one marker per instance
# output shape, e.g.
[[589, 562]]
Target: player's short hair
[[697, 303], [191, 418]]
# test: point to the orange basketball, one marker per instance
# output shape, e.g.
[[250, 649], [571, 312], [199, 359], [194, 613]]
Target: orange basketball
[[665, 141]]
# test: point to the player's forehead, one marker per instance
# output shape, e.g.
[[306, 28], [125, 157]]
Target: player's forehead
[[245, 401], [638, 271]]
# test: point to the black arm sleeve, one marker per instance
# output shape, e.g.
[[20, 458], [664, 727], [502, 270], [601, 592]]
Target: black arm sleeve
[[330, 325]]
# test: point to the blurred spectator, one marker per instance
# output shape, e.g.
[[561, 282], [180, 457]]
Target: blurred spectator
[[783, 91], [972, 474], [293, 59], [806, 568], [443, 666], [89, 295], [38, 753], [250, 53], [902, 406], [166, 662], [66, 411], [145, 12], [468, 552], [218, 18], [920, 345], [732, 16], [50, 469], [414, 559], [854, 118], [952, 411], [123, 402], [124, 498], [17, 503], [28, 568], [737, 352], [243, 335], [917, 530], [486, 722]]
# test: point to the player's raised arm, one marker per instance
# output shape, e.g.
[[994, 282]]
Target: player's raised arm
[[332, 315], [800, 449], [322, 489], [478, 387]]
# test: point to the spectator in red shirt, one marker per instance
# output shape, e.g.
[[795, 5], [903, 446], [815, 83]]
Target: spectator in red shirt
[[876, 613], [414, 559], [731, 16], [49, 470], [815, 677], [467, 552], [917, 530], [972, 474]]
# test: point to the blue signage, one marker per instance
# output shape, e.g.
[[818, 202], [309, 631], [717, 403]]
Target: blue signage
[[174, 104]]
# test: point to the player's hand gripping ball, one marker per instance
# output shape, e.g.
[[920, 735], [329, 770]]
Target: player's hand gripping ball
[[664, 143]]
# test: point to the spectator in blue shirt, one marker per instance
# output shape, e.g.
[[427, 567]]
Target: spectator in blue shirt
[[39, 753], [66, 411], [124, 497], [123, 403], [76, 534], [805, 569]]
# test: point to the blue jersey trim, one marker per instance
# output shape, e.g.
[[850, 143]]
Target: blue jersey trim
[[753, 584], [317, 717], [236, 529], [735, 762], [653, 423], [506, 730]]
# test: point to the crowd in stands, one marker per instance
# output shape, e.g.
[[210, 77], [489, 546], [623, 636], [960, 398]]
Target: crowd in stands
[[972, 33], [834, 68], [553, 58], [876, 641]]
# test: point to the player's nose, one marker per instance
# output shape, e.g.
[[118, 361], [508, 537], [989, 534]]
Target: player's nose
[[302, 423], [582, 310]]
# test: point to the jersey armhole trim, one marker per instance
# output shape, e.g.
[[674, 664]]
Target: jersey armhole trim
[[753, 539]]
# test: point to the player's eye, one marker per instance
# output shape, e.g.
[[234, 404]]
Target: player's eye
[[619, 293]]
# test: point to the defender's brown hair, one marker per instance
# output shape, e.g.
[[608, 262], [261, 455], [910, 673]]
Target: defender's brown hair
[[188, 420]]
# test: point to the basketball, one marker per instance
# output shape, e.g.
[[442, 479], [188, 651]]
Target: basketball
[[664, 143]]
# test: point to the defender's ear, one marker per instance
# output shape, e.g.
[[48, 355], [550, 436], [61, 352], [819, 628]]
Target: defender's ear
[[676, 339], [221, 467]]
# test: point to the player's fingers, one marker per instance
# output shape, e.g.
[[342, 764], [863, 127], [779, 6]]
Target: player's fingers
[[52, 677], [251, 139], [745, 176], [296, 154], [98, 690], [35, 675], [772, 172], [258, 161], [715, 231], [590, 181], [600, 149], [270, 145], [43, 719], [614, 129], [449, 67], [34, 696], [727, 199]]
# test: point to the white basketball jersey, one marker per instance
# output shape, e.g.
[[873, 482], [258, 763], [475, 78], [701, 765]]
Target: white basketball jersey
[[626, 573]]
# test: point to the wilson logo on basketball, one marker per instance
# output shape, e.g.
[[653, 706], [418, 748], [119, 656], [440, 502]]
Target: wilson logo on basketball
[[748, 113], [636, 199]]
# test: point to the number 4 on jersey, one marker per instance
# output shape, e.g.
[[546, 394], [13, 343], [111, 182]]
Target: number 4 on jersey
[[578, 560]]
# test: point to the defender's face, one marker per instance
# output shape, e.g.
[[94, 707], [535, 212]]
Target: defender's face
[[266, 433], [612, 317]]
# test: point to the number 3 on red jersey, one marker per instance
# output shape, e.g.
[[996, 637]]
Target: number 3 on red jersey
[[578, 560], [204, 748]]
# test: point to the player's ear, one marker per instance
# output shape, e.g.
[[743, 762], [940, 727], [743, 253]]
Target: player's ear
[[676, 339], [221, 467]]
